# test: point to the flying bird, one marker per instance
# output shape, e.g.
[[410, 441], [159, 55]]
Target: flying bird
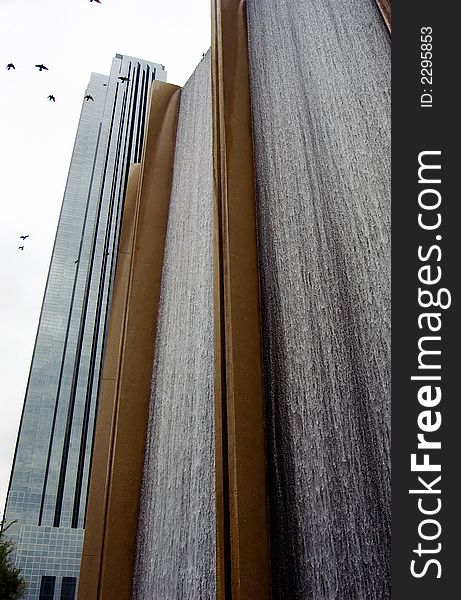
[[51, 98], [23, 237], [124, 79], [20, 247], [98, 1], [42, 67], [10, 66], [88, 97]]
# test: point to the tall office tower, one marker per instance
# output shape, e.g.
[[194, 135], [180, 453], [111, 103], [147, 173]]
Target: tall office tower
[[49, 480]]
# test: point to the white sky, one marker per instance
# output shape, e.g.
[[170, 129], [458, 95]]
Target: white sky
[[73, 38]]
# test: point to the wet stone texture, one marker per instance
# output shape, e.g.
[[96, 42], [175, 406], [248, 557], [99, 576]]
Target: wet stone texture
[[176, 535], [320, 79]]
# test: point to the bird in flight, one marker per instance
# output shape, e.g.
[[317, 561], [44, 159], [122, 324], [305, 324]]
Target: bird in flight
[[23, 237], [88, 97], [51, 98], [20, 247], [124, 79], [98, 1], [41, 67], [10, 66]]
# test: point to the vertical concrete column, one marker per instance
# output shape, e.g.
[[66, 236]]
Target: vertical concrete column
[[113, 503], [243, 571], [108, 402], [385, 9]]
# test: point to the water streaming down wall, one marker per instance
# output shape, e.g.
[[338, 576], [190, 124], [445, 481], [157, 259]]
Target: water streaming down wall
[[176, 535], [319, 75]]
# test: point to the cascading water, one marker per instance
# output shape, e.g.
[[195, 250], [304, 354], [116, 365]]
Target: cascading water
[[320, 79], [176, 533], [319, 76]]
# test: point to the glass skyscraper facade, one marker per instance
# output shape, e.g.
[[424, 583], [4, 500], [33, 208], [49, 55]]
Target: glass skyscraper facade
[[49, 481]]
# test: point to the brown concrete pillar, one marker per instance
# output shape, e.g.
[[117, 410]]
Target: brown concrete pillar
[[118, 458], [107, 406], [385, 9], [243, 571]]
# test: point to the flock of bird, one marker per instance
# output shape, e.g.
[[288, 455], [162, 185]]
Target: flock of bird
[[41, 67], [23, 237]]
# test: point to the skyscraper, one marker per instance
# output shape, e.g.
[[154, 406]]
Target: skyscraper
[[48, 485]]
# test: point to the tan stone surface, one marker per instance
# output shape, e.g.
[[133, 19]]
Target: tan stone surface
[[243, 541], [385, 9], [107, 407], [110, 536]]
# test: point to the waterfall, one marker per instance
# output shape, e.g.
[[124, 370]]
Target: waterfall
[[176, 534], [320, 79]]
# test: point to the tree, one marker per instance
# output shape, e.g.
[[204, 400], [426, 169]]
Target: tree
[[12, 583]]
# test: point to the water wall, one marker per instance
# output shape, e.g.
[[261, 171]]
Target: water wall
[[320, 79], [176, 533], [260, 314]]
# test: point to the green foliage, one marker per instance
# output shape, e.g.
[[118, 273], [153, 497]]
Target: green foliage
[[12, 584]]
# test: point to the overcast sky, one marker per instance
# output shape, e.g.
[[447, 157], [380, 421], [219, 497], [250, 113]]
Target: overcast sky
[[73, 38]]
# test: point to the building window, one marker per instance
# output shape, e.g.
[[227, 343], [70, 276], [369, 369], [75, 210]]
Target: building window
[[68, 588], [47, 588]]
